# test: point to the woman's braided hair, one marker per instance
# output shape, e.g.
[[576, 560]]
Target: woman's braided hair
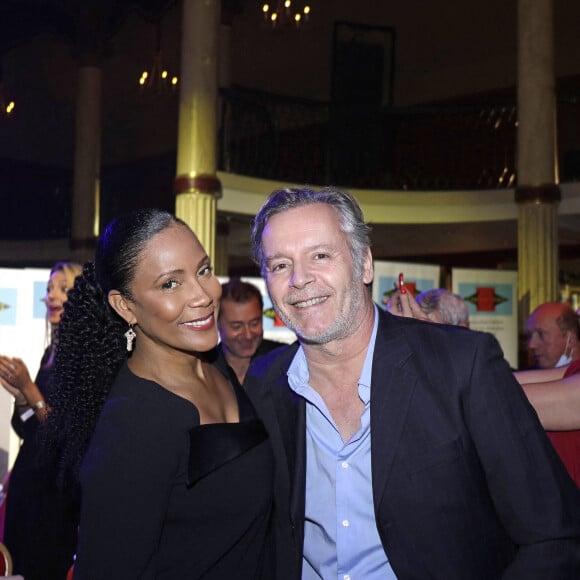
[[92, 347]]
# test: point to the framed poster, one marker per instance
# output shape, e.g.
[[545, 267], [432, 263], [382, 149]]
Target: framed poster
[[418, 278], [491, 297]]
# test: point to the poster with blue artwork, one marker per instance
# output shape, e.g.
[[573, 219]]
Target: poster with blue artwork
[[8, 306], [38, 304], [484, 299], [418, 278], [491, 297]]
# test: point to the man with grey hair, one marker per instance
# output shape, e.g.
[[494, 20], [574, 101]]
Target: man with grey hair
[[392, 460], [443, 306]]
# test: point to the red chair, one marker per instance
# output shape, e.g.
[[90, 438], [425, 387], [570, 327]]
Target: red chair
[[5, 561]]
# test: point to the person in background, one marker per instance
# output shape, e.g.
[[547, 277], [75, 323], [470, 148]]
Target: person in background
[[175, 469], [240, 327], [553, 335], [404, 449], [553, 392], [40, 522], [443, 306], [556, 398], [553, 342]]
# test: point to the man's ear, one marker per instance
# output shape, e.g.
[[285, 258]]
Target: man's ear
[[368, 271], [121, 306]]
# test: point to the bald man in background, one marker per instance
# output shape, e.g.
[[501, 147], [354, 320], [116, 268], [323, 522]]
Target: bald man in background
[[553, 335]]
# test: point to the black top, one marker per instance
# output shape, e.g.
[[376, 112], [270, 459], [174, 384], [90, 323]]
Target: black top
[[41, 522], [167, 498]]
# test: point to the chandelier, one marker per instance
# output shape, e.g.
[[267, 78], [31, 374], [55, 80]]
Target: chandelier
[[282, 12], [158, 78]]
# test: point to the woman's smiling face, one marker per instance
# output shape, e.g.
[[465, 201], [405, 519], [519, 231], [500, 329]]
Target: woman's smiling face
[[174, 294]]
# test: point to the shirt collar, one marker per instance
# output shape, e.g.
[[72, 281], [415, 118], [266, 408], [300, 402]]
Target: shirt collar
[[298, 374]]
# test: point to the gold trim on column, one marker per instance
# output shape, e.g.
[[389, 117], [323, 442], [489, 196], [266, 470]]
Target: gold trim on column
[[546, 193], [203, 183]]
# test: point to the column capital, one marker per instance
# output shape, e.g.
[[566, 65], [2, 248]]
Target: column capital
[[203, 183], [545, 193]]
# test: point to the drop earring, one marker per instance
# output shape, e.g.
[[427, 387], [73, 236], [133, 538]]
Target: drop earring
[[130, 336]]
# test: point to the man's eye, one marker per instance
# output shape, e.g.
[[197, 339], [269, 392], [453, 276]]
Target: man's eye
[[278, 267], [205, 271]]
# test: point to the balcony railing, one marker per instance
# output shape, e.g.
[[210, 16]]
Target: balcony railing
[[426, 148], [302, 141]]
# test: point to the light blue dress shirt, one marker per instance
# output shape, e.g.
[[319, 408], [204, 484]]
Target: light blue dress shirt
[[340, 534]]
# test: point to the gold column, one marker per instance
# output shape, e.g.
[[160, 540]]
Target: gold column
[[197, 186], [537, 194], [537, 247], [87, 161]]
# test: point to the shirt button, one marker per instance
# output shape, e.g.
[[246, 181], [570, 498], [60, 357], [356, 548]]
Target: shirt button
[[345, 523], [344, 464]]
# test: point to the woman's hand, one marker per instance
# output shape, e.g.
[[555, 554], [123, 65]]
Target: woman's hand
[[15, 377], [402, 303]]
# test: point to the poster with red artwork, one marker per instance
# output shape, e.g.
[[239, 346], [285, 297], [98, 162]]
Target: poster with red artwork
[[418, 278], [491, 297]]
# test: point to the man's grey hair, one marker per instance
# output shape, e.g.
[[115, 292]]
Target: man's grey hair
[[350, 217], [451, 307]]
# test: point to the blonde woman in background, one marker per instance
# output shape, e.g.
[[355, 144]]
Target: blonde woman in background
[[40, 525]]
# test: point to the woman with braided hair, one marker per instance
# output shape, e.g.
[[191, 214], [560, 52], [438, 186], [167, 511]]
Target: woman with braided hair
[[175, 469]]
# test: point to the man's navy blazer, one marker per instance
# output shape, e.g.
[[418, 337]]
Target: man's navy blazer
[[466, 485]]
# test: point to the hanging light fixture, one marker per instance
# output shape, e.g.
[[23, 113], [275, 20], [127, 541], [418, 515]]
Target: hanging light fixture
[[283, 12], [158, 78], [7, 106]]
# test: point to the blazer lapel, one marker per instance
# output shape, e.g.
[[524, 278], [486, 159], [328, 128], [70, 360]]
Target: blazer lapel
[[392, 387], [290, 428]]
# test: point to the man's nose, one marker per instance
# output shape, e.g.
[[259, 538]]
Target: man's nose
[[301, 275]]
